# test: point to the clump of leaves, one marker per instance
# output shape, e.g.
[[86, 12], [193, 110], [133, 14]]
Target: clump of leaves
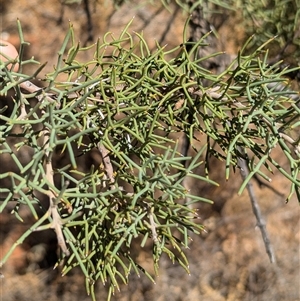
[[267, 19], [132, 106]]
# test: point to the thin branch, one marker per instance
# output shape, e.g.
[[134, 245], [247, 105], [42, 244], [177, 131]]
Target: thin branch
[[104, 153], [256, 210], [56, 223], [153, 226], [89, 21], [40, 94]]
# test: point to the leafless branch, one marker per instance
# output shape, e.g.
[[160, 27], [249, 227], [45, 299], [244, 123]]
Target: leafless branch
[[256, 210], [153, 226], [41, 95]]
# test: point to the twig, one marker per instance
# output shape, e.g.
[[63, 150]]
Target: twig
[[56, 223], [107, 164], [32, 88], [256, 209], [153, 226], [89, 21]]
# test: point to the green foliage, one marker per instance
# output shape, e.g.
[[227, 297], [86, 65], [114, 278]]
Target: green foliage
[[132, 106], [263, 19], [122, 105], [270, 18], [190, 5]]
